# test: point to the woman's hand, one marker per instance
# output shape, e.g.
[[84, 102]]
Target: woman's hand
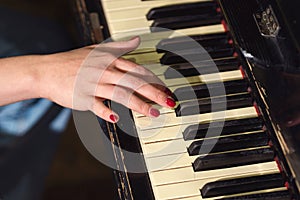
[[82, 79]]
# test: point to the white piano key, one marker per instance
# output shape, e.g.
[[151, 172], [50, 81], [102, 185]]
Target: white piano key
[[185, 174], [191, 189], [169, 162], [124, 10], [127, 4], [206, 78], [145, 34], [157, 68], [170, 119], [130, 16]]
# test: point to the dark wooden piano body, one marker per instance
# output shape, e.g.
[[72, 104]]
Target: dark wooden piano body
[[270, 59]]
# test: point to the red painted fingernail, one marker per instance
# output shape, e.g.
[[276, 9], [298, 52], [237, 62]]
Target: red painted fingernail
[[114, 118], [170, 102], [168, 92], [154, 112]]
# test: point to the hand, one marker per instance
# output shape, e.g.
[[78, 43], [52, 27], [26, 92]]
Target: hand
[[82, 79]]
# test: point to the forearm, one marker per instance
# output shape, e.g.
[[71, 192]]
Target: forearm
[[19, 78]]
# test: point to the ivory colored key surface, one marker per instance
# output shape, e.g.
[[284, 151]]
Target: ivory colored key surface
[[132, 13], [191, 188], [177, 175], [126, 18], [170, 119]]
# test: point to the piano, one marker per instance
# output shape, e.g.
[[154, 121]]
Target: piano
[[232, 67]]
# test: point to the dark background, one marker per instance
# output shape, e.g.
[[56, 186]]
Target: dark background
[[74, 173]]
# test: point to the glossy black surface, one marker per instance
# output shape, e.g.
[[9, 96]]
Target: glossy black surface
[[188, 55], [214, 104], [185, 22], [223, 144], [198, 131], [201, 67], [185, 9], [240, 185], [207, 90], [184, 42], [233, 159]]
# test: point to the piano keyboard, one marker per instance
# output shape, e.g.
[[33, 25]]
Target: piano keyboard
[[181, 159]]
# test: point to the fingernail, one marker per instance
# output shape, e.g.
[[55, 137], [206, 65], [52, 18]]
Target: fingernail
[[168, 92], [154, 112], [170, 102], [114, 117]]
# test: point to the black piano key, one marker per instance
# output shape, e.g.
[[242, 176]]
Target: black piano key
[[177, 43], [216, 103], [242, 185], [278, 195], [202, 67], [182, 22], [199, 131], [223, 144], [206, 90], [188, 55], [233, 159], [181, 10]]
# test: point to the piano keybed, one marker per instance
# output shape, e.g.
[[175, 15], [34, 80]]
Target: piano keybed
[[178, 164]]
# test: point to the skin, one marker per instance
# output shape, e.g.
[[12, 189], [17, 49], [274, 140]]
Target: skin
[[73, 81]]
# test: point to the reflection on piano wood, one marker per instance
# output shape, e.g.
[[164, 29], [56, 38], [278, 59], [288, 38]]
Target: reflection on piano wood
[[180, 161]]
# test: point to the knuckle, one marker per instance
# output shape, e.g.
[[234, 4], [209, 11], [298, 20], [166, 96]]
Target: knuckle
[[141, 107], [160, 96]]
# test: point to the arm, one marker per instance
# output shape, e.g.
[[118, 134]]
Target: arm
[[81, 79]]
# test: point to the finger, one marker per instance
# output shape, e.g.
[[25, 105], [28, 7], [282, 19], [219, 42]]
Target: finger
[[104, 112], [127, 98], [139, 71], [141, 86], [122, 47], [129, 66]]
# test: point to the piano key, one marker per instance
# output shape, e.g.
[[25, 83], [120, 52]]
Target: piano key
[[150, 40], [129, 16], [111, 5], [214, 145], [173, 175], [201, 67], [242, 185], [185, 22], [213, 104], [228, 127], [206, 78], [179, 43], [123, 30], [233, 159], [177, 10], [170, 119], [277, 195], [205, 90], [221, 51], [232, 143], [184, 189]]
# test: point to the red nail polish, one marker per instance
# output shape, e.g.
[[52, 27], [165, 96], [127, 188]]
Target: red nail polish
[[154, 112], [170, 102], [113, 117], [168, 92]]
